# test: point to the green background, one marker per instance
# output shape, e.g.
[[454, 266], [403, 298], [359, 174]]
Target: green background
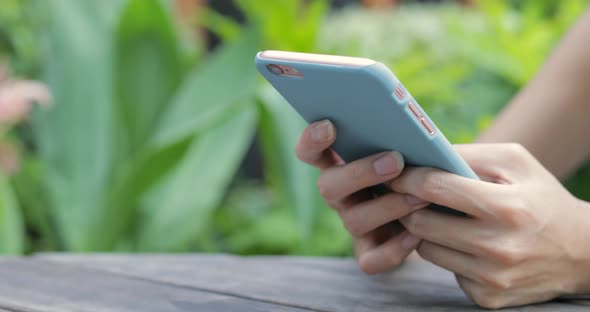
[[143, 149]]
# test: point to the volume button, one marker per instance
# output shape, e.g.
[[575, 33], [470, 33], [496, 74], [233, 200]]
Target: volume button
[[427, 126], [414, 110]]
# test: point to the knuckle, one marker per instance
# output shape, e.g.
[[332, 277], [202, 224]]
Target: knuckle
[[361, 246], [324, 188], [336, 205], [394, 258], [353, 227], [395, 261], [517, 214], [388, 260], [505, 253], [487, 301], [425, 250], [516, 151], [514, 255], [434, 184], [414, 222], [366, 265], [497, 280], [356, 170], [299, 150], [480, 295]]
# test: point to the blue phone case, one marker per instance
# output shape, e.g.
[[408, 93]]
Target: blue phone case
[[370, 109]]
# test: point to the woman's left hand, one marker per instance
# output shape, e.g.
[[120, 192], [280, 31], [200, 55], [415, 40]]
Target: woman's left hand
[[526, 240]]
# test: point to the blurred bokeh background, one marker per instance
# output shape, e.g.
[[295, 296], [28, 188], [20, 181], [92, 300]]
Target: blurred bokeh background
[[161, 136]]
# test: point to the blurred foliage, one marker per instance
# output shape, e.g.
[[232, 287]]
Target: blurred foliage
[[142, 149], [512, 44], [17, 36], [12, 238], [141, 144]]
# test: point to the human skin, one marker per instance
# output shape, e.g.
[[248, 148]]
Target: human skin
[[524, 241], [550, 116]]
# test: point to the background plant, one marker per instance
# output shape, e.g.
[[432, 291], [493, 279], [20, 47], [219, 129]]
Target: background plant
[[143, 139], [143, 148]]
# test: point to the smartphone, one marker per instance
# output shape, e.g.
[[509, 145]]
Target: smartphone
[[368, 105]]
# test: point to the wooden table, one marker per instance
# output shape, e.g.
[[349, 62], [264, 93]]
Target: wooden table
[[55, 282]]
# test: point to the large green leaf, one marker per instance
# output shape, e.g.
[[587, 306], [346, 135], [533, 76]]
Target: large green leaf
[[293, 180], [130, 184], [180, 206], [148, 69], [75, 136], [202, 102], [204, 98], [11, 223]]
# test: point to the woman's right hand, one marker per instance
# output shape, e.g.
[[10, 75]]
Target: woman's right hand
[[381, 242]]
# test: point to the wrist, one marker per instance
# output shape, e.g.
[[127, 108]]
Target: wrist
[[580, 255]]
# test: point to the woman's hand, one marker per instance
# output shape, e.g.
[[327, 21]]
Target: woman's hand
[[527, 240], [379, 244]]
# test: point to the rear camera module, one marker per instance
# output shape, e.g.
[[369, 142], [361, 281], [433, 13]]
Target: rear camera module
[[275, 69]]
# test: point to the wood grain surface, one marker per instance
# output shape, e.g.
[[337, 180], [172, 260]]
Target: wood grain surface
[[318, 284], [33, 285]]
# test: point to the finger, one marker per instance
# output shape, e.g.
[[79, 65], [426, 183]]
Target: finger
[[337, 160], [492, 298], [482, 158], [340, 181], [350, 201], [453, 260], [313, 146], [368, 215], [388, 255], [459, 233], [473, 197], [470, 287], [497, 162], [377, 237]]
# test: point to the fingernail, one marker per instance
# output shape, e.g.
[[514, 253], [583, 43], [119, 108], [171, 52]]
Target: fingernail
[[410, 241], [388, 163], [415, 201], [322, 132]]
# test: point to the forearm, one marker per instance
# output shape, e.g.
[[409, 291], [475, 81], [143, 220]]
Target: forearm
[[551, 116]]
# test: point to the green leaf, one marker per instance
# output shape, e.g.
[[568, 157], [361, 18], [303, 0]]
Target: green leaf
[[27, 181], [224, 27], [75, 136], [180, 206], [286, 24], [293, 180], [129, 186], [224, 81], [148, 69], [11, 223]]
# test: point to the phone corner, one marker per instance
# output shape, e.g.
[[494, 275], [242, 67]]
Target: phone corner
[[257, 58]]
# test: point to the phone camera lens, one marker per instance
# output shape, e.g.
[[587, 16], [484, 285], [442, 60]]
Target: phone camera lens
[[275, 69]]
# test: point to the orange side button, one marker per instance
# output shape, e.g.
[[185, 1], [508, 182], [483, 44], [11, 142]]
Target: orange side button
[[414, 110], [427, 125], [400, 93]]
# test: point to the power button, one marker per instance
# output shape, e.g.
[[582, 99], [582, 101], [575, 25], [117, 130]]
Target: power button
[[399, 93]]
